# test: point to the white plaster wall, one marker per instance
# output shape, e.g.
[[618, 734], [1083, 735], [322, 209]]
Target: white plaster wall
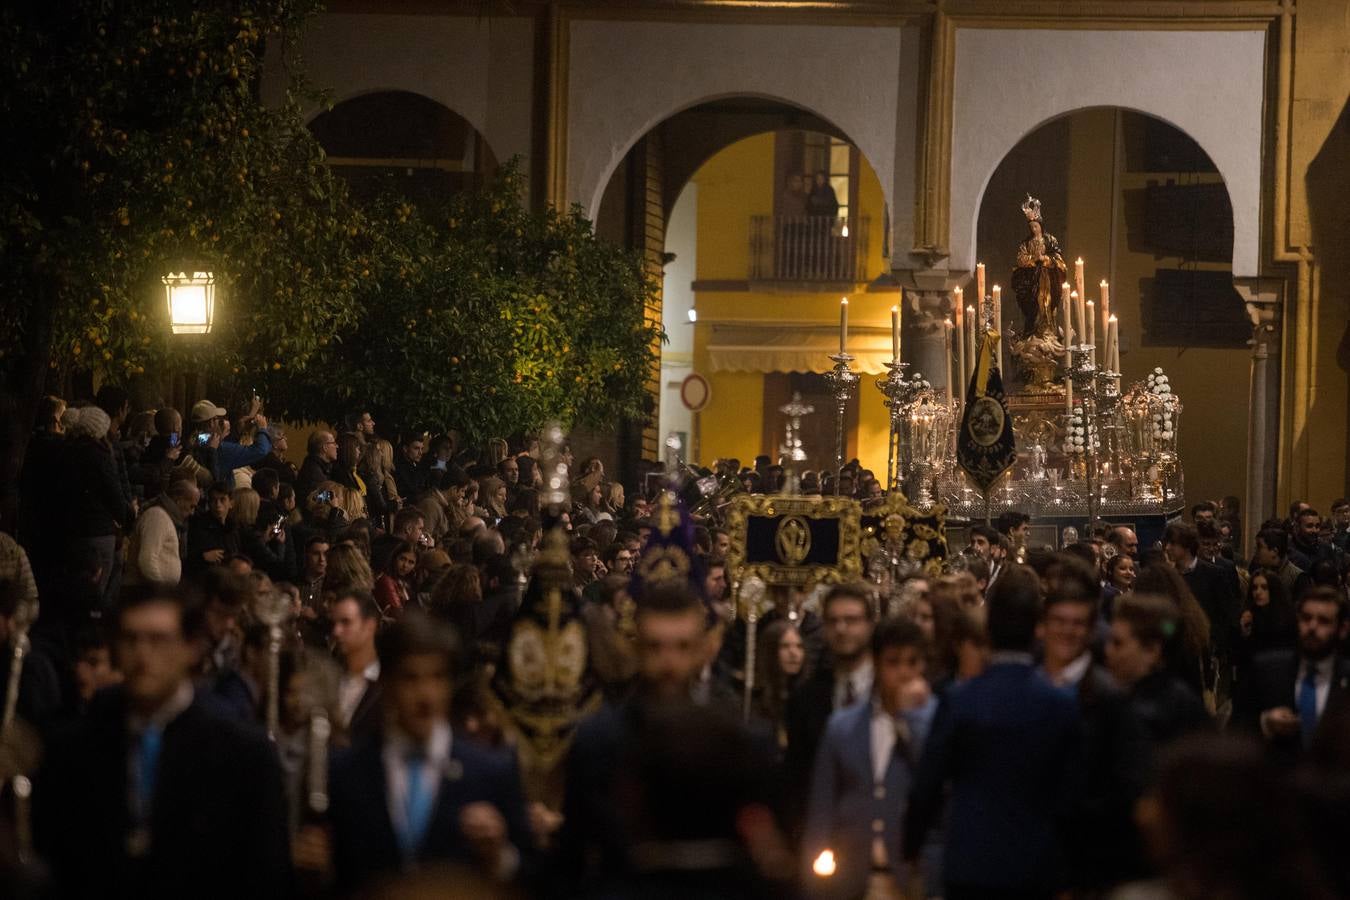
[[627, 77], [1209, 84], [677, 298], [481, 68]]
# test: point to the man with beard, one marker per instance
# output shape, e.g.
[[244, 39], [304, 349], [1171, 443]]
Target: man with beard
[[1289, 691]]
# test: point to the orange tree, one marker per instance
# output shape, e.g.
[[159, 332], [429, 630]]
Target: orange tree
[[139, 141], [487, 317]]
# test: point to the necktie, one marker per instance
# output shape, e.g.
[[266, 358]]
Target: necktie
[[147, 769], [1307, 705], [417, 805]]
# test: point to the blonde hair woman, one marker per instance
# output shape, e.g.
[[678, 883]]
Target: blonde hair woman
[[244, 512], [347, 569]]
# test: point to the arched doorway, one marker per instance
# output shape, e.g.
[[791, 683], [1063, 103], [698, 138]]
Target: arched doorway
[[402, 141], [1149, 212], [707, 198]]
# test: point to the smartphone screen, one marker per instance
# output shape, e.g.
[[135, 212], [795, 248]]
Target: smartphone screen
[[203, 439], [173, 439]]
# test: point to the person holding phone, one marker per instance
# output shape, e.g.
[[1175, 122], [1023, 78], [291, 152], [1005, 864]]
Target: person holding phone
[[213, 422]]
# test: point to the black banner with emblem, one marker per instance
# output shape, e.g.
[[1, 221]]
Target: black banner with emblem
[[985, 447]]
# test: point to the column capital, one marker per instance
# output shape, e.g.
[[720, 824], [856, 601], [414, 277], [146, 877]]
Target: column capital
[[1263, 298]]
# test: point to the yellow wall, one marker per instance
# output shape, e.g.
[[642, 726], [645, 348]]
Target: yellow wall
[[733, 186]]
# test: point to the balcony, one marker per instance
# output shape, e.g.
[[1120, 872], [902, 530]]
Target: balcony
[[814, 249]]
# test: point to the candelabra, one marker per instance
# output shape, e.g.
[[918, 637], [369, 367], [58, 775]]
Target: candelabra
[[1083, 371], [899, 393], [842, 381]]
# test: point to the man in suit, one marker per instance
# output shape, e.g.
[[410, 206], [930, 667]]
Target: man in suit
[[843, 680], [596, 848], [154, 795], [863, 772], [1003, 741], [356, 618], [414, 793], [1101, 843], [1289, 691]]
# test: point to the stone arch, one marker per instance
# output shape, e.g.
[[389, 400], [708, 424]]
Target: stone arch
[[1207, 85], [626, 77], [430, 95]]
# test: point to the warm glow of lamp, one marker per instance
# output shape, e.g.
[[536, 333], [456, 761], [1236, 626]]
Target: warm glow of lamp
[[192, 301], [824, 864]]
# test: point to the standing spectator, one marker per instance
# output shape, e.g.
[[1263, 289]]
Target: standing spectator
[[92, 497], [276, 459], [393, 587], [40, 478], [322, 452], [1003, 741], [212, 536], [1272, 555], [152, 790], [409, 476], [211, 420], [159, 541]]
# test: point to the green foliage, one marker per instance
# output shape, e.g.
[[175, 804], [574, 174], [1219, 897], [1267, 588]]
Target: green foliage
[[487, 317], [139, 142], [144, 146]]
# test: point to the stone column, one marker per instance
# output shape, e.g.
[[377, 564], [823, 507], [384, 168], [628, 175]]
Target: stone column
[[1262, 298], [925, 346]]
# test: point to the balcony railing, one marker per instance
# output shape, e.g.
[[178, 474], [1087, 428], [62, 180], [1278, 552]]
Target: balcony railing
[[808, 248]]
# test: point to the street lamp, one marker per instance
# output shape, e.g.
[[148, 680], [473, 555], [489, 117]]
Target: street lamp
[[192, 301]]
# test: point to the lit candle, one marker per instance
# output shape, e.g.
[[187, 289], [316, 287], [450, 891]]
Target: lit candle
[[1092, 322], [1068, 395], [843, 325], [1113, 345], [970, 345], [979, 288], [895, 334], [1079, 332], [947, 331], [1106, 306], [961, 376], [998, 324], [1078, 277]]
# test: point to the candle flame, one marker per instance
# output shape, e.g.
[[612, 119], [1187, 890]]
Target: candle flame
[[1103, 284], [1073, 293], [843, 302], [895, 309], [1113, 318], [1078, 261], [824, 864]]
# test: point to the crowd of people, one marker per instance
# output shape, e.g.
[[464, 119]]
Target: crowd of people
[[251, 678]]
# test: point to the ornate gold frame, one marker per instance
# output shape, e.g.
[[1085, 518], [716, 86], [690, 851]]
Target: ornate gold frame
[[896, 504], [849, 561]]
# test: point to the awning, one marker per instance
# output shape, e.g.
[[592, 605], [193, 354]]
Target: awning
[[795, 348]]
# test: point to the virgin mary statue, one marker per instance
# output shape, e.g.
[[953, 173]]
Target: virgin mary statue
[[1036, 285]]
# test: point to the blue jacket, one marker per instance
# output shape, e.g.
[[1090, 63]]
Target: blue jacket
[[1007, 742], [231, 455], [846, 801]]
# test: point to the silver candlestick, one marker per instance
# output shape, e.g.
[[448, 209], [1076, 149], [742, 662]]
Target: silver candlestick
[[898, 395], [843, 381]]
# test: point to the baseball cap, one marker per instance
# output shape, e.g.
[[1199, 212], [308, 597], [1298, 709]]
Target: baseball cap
[[205, 411]]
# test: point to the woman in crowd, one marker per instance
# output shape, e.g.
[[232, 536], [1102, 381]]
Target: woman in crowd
[[492, 491], [458, 599], [348, 569], [780, 665], [1188, 653], [395, 588], [261, 540], [371, 471], [348, 459], [1268, 620], [1163, 705]]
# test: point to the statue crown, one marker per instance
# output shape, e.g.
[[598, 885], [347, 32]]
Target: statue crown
[[1031, 208]]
